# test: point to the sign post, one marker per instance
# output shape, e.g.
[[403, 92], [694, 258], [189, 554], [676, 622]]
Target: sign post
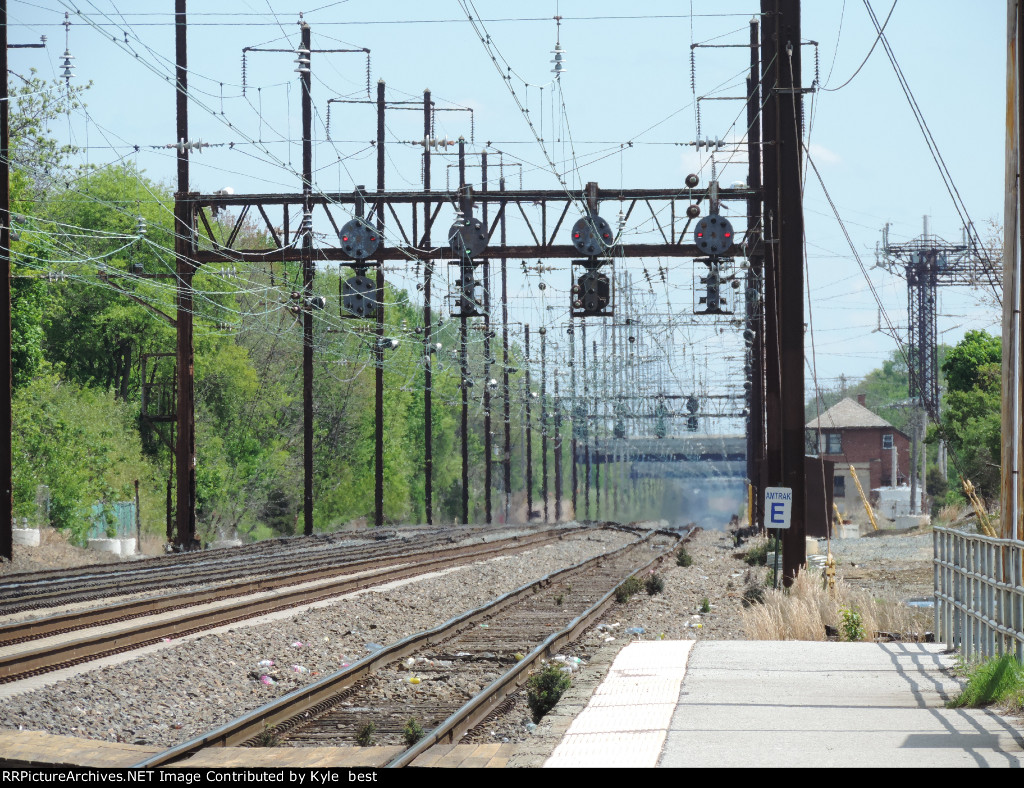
[[778, 510]]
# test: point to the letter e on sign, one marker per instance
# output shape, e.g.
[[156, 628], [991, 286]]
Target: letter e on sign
[[778, 505]]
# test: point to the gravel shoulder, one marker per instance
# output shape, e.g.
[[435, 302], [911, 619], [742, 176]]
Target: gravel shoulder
[[189, 686], [899, 565], [171, 696]]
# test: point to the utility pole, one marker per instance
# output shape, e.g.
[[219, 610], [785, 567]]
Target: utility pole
[[586, 422], [464, 353], [755, 273], [574, 421], [558, 454], [305, 75], [597, 449], [428, 372], [544, 419], [1012, 489], [7, 460], [488, 447], [507, 399], [185, 447], [616, 408], [529, 432], [784, 261], [378, 427]]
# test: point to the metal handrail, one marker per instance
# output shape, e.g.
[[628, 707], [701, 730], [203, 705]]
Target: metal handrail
[[979, 593]]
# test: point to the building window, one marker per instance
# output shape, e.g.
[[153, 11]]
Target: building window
[[887, 442], [833, 443], [838, 486]]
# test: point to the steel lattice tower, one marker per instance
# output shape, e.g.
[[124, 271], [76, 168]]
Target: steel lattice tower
[[928, 263]]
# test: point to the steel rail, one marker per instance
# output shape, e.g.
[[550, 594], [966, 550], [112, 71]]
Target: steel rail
[[16, 666], [299, 704], [31, 629], [36, 592], [480, 707]]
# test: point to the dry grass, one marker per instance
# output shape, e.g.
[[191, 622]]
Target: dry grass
[[152, 544], [803, 612], [951, 513]]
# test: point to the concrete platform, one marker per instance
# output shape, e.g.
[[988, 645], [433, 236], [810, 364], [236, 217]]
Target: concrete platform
[[625, 723], [44, 750], [784, 704], [443, 756], [688, 704]]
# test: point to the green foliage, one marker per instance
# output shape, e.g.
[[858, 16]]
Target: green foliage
[[705, 605], [95, 334], [996, 680], [80, 442], [544, 689], [754, 593], [971, 412], [630, 586], [965, 363], [28, 302], [852, 625], [268, 737], [654, 584], [364, 736], [757, 555], [40, 162], [85, 348], [412, 732], [683, 557]]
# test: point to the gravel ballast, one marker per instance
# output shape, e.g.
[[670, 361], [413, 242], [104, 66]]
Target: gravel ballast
[[184, 690], [191, 686]]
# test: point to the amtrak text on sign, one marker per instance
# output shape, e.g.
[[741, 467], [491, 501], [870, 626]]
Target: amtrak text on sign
[[778, 505]]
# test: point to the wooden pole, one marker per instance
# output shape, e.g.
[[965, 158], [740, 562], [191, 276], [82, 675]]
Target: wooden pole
[[1011, 525]]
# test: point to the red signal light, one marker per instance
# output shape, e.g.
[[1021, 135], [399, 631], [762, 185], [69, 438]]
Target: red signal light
[[344, 238]]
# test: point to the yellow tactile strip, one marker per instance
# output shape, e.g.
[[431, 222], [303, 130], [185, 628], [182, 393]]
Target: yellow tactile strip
[[625, 723]]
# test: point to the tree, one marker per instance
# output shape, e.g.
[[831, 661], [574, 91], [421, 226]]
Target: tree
[[971, 415], [39, 161], [93, 330], [83, 445], [964, 364]]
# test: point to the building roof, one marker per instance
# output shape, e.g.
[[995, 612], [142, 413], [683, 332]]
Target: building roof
[[847, 414]]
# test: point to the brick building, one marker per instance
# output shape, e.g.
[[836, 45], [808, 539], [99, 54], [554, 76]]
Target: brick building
[[850, 434]]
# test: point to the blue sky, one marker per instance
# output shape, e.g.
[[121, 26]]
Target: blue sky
[[628, 81]]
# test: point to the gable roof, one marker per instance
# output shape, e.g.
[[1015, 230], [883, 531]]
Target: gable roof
[[848, 414]]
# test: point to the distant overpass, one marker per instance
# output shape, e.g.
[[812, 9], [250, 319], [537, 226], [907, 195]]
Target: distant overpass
[[689, 456]]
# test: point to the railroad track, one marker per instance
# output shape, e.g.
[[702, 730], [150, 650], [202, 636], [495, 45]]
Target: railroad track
[[495, 645], [34, 591], [265, 595]]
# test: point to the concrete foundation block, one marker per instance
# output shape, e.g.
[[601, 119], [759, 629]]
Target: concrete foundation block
[[912, 521], [115, 546], [27, 537]]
